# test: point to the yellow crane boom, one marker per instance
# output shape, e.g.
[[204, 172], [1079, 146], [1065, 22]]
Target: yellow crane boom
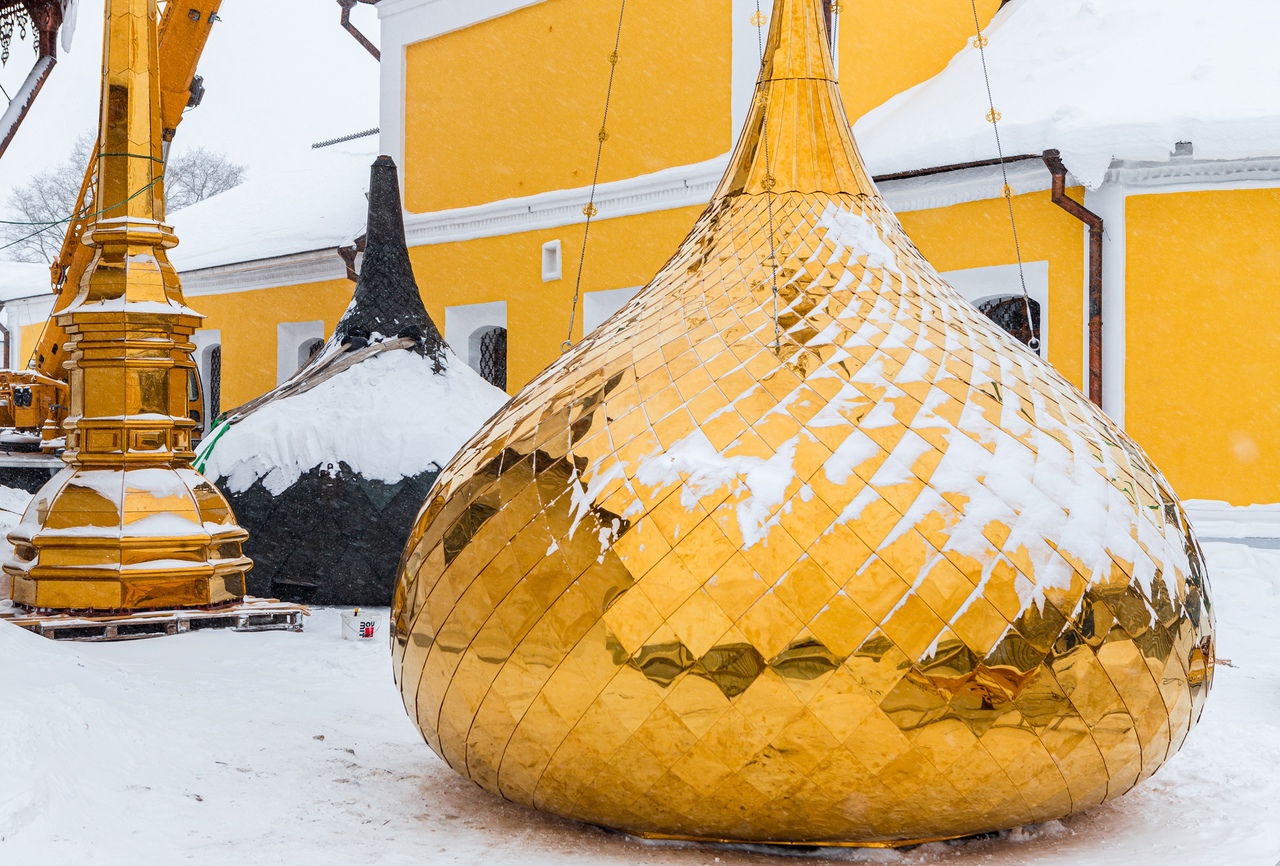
[[36, 400], [184, 30]]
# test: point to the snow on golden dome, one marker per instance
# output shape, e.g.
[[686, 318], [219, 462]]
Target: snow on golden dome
[[847, 565]]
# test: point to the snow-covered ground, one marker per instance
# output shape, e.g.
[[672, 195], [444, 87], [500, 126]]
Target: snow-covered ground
[[223, 748]]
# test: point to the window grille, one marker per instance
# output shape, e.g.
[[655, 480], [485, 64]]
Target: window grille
[[214, 395], [1010, 313], [493, 357]]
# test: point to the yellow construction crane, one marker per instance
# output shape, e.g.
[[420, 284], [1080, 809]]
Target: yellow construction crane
[[36, 399]]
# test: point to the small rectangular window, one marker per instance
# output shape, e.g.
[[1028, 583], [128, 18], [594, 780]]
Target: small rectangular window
[[551, 269]]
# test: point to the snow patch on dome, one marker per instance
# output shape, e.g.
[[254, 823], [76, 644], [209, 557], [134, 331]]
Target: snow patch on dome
[[389, 417]]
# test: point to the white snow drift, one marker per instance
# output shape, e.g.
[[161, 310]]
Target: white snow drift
[[388, 417], [1098, 80]]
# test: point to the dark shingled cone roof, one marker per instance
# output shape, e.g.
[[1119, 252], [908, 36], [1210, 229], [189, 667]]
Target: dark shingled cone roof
[[386, 299]]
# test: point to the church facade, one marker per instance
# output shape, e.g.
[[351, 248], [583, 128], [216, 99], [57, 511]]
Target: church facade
[[493, 109]]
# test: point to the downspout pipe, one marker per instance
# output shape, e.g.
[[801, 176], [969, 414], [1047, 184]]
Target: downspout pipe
[[47, 19], [4, 334], [1053, 161], [347, 6]]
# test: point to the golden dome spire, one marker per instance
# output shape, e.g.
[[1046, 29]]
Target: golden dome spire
[[808, 147], [840, 564], [129, 525]]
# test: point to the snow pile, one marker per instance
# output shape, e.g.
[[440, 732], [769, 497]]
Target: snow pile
[[317, 203], [388, 417], [218, 748], [1219, 520], [1096, 79]]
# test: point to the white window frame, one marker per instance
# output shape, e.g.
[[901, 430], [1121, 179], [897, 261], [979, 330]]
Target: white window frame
[[978, 285], [290, 337], [598, 306], [552, 262], [463, 320]]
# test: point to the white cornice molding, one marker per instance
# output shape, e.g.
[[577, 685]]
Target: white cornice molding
[[317, 266], [964, 185], [415, 20], [1185, 175], [948, 188], [683, 186]]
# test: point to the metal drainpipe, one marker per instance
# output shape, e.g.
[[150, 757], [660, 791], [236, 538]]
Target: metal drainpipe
[[1053, 160], [47, 18], [347, 6]]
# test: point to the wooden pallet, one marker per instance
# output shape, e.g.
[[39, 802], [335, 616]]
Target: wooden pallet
[[252, 614]]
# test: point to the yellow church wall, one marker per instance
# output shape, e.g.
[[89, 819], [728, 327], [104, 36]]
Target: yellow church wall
[[623, 252], [977, 234], [511, 106], [28, 336], [248, 320], [1202, 334], [887, 46]]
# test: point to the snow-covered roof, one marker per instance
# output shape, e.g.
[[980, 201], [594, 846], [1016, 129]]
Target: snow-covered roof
[[318, 202], [23, 280], [1098, 80]]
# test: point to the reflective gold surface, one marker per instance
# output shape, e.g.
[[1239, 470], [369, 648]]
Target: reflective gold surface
[[889, 579], [128, 524]]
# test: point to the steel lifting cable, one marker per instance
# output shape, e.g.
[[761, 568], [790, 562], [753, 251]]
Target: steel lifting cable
[[993, 117], [759, 20], [75, 216], [590, 210]]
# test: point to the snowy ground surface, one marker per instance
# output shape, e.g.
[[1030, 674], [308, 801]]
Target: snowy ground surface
[[223, 748]]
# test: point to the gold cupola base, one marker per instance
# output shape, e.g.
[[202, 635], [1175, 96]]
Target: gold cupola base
[[133, 540]]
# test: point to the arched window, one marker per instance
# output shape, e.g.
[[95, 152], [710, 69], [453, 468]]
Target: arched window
[[487, 352], [307, 350], [1010, 313]]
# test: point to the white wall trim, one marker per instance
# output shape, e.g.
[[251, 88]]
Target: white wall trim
[[683, 186], [1108, 202], [599, 306], [1195, 175], [1177, 175], [747, 39], [965, 185], [976, 285], [317, 266], [463, 320], [290, 336]]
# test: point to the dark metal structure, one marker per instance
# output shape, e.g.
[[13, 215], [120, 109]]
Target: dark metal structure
[[1053, 160], [347, 6], [45, 17]]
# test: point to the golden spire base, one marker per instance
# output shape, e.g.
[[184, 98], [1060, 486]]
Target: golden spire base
[[129, 525]]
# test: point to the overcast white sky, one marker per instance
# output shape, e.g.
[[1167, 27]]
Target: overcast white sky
[[279, 75]]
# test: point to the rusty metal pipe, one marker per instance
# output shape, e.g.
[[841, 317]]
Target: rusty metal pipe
[[347, 6], [1053, 161], [47, 17]]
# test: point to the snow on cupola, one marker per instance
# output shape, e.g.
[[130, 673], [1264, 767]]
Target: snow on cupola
[[327, 471]]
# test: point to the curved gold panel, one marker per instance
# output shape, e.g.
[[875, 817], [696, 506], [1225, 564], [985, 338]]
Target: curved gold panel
[[885, 578]]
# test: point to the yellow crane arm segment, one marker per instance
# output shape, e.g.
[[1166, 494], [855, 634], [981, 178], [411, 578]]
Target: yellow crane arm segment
[[184, 30]]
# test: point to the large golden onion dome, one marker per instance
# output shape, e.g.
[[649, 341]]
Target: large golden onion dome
[[861, 571]]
